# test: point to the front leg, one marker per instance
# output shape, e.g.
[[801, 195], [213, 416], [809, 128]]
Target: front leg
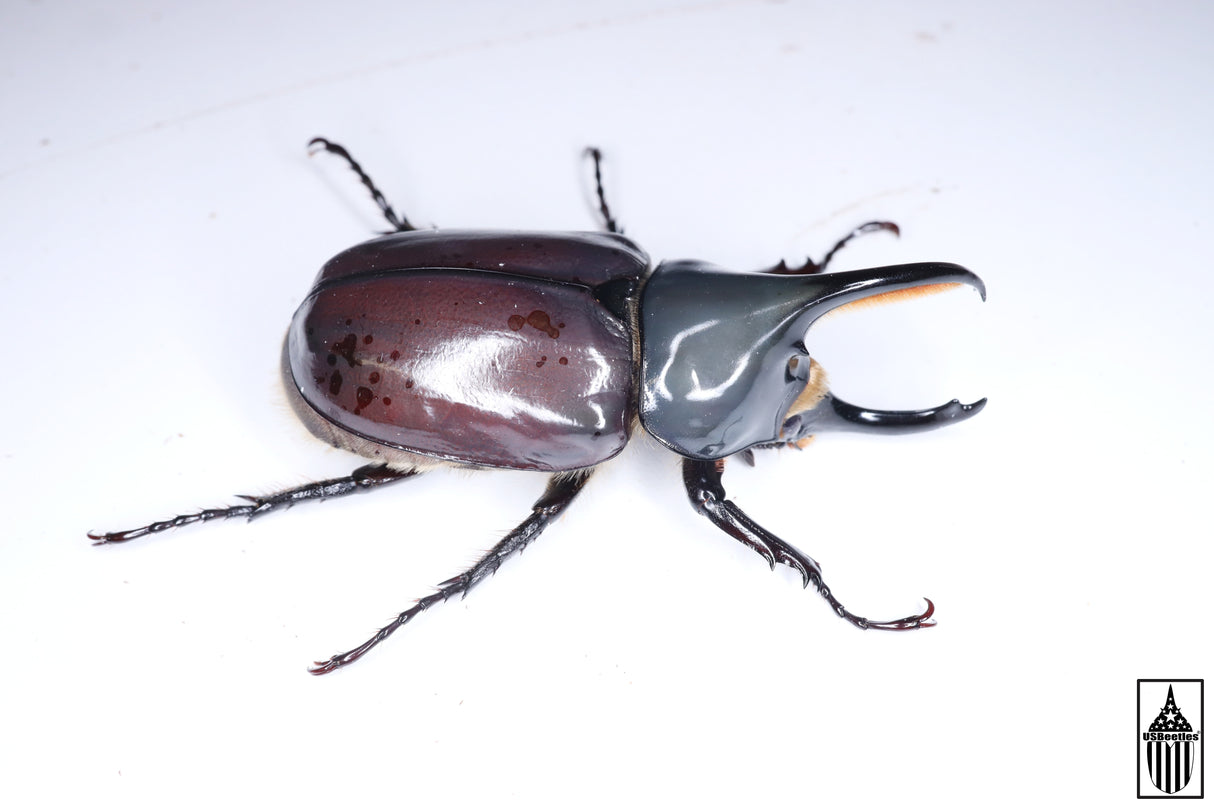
[[811, 267], [703, 482]]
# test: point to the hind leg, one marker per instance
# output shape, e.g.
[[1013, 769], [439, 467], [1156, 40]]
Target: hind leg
[[365, 478], [562, 488]]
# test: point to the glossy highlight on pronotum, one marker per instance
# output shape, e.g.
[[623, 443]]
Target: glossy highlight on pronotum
[[542, 351]]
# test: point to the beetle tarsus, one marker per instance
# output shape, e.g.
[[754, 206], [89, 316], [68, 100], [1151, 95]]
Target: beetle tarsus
[[707, 494], [920, 621], [562, 488], [400, 224], [810, 267], [609, 223], [363, 479]]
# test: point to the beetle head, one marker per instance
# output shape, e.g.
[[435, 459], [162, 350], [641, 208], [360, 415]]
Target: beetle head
[[724, 365]]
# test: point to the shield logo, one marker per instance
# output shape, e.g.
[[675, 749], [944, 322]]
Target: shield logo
[[1170, 763]]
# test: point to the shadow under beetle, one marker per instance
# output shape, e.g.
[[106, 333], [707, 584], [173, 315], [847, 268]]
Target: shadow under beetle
[[539, 351]]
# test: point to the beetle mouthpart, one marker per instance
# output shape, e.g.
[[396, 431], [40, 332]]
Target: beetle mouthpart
[[816, 389]]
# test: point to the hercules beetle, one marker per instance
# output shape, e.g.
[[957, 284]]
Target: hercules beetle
[[539, 350]]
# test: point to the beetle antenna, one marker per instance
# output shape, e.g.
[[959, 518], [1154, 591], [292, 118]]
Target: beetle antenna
[[608, 221], [811, 268], [400, 224]]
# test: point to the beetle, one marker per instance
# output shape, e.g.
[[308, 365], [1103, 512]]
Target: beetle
[[542, 351]]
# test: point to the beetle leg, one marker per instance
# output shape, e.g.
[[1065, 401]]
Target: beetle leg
[[562, 488], [810, 267], [703, 481], [365, 478], [400, 224], [609, 223]]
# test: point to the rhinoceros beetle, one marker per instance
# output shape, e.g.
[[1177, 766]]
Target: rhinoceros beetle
[[540, 350]]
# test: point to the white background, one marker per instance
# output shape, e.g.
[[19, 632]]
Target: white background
[[160, 221]]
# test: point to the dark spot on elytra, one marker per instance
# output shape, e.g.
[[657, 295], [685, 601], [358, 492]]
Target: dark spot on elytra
[[516, 322], [417, 322], [373, 378], [349, 320], [345, 349], [367, 340], [335, 383], [395, 355], [387, 401], [331, 359], [539, 320], [563, 360], [408, 383], [364, 396], [540, 364]]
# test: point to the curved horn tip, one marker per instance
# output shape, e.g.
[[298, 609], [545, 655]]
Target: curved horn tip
[[972, 409], [980, 286]]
